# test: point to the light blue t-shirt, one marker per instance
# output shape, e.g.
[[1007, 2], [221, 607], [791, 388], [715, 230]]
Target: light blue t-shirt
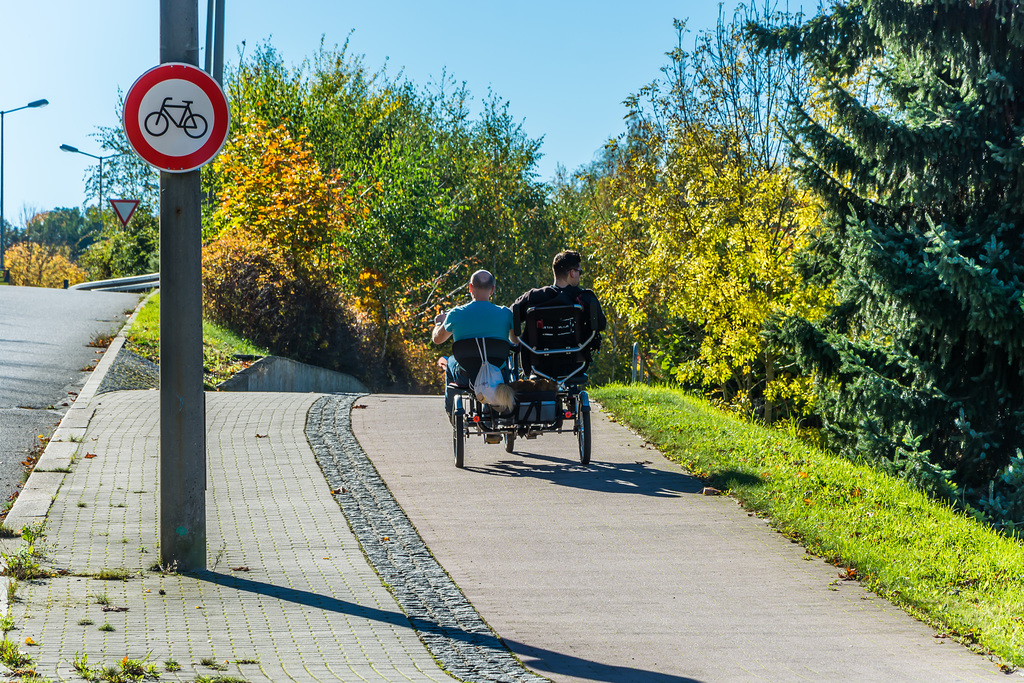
[[479, 319]]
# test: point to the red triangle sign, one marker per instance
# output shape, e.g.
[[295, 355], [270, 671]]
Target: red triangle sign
[[124, 208]]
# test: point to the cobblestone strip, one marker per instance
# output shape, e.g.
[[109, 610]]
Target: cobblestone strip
[[449, 626], [130, 371]]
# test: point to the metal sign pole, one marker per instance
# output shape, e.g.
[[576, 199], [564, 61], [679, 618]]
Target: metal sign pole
[[182, 401]]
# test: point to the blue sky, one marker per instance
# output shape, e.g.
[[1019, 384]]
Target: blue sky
[[564, 66]]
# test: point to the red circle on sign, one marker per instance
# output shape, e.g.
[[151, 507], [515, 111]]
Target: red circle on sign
[[218, 129]]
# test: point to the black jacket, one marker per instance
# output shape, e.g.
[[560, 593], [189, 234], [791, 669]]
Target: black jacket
[[558, 296]]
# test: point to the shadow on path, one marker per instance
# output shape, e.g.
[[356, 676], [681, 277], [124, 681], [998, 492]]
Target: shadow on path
[[325, 602], [605, 477], [301, 597], [556, 663]]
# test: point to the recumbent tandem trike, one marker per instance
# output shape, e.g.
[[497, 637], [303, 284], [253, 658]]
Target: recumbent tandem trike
[[548, 372]]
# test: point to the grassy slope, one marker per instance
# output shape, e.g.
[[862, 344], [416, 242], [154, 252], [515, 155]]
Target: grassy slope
[[941, 566], [219, 345]]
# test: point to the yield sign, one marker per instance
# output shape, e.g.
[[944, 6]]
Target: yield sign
[[124, 208], [176, 117]]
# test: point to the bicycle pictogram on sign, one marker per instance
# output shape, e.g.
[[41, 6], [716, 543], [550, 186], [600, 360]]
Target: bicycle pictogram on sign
[[171, 99], [158, 122]]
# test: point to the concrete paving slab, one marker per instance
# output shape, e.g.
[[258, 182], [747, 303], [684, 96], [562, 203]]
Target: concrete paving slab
[[621, 571], [288, 595]]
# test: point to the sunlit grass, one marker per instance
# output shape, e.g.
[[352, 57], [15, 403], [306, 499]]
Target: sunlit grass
[[940, 565], [220, 346]]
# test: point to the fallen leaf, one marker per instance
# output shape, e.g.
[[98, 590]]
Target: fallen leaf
[[359, 405], [239, 569], [802, 475], [709, 491], [110, 608], [262, 436], [386, 538], [29, 641], [90, 455], [849, 574]]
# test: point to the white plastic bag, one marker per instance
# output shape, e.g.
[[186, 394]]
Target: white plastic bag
[[486, 383], [489, 386]]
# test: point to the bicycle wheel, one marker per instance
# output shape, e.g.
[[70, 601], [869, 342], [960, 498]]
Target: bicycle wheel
[[583, 428], [195, 126], [459, 440], [156, 123]]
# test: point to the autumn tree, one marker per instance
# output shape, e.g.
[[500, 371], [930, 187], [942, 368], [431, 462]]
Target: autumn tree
[[436, 193], [60, 227], [38, 265], [707, 217]]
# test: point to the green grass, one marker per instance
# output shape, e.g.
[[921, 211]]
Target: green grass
[[941, 566], [220, 346]]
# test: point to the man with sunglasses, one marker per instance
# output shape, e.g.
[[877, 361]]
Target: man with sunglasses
[[567, 269]]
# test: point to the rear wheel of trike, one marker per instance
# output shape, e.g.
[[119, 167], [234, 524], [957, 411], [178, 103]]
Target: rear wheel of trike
[[510, 442], [583, 430], [459, 440]]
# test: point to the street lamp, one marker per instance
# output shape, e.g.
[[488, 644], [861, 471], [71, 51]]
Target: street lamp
[[30, 105], [69, 148]]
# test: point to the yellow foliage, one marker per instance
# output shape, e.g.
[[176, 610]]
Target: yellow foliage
[[37, 265], [704, 242], [273, 187]]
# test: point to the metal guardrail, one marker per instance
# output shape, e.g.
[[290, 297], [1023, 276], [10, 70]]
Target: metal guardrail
[[136, 283]]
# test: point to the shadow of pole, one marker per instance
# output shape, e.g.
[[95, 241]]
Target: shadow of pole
[[556, 663]]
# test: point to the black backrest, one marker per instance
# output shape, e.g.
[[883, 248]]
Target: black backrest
[[555, 327], [467, 353]]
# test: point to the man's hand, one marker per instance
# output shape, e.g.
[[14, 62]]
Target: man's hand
[[440, 335]]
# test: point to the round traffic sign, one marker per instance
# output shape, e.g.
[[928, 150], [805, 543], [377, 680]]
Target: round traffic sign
[[176, 117]]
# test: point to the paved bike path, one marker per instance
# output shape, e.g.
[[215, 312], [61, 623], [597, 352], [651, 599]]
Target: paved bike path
[[623, 572]]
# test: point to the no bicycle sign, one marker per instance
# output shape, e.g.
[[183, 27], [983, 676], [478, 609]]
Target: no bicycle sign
[[176, 117]]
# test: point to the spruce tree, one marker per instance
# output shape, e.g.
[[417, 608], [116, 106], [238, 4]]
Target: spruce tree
[[921, 361]]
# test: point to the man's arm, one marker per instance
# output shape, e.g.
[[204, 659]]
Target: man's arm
[[597, 315], [440, 335]]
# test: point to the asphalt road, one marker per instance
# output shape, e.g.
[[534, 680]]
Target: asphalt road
[[44, 336]]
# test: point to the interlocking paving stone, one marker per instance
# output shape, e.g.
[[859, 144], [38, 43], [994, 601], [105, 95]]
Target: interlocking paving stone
[[310, 608]]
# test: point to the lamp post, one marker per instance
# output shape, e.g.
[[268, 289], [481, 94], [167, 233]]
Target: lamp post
[[3, 227], [69, 148]]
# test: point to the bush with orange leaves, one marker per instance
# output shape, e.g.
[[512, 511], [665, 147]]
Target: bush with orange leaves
[[38, 265], [252, 288]]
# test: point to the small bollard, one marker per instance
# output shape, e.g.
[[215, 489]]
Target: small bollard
[[7, 275], [66, 284], [636, 360]]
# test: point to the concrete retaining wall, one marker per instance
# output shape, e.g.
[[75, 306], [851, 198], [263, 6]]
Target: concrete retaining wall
[[274, 373]]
